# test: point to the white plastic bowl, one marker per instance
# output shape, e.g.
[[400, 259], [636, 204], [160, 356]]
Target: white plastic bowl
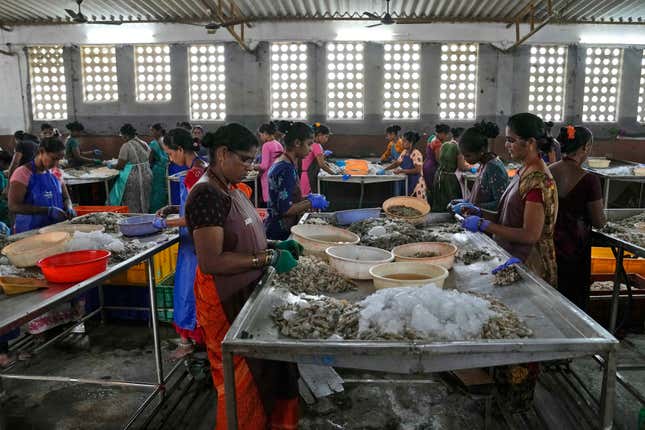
[[317, 238], [446, 251], [354, 261], [418, 274]]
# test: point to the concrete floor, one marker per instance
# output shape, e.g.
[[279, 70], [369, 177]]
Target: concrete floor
[[124, 351]]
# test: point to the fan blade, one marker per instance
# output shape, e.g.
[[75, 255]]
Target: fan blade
[[373, 25], [105, 22], [372, 16], [71, 13]]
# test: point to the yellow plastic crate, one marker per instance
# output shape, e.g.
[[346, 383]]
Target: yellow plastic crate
[[603, 262], [165, 264]]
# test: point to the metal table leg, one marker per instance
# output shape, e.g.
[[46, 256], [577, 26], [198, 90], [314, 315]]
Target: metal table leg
[[615, 297], [229, 389], [606, 192], [608, 393], [102, 303], [360, 200], [107, 190], [155, 323], [256, 191]]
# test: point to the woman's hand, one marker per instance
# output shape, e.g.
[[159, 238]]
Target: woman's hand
[[466, 209], [282, 261], [475, 224], [397, 171], [318, 201], [511, 261], [294, 248], [57, 214]]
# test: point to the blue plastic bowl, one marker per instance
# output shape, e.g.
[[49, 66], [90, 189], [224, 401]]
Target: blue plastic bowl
[[355, 215], [138, 225]]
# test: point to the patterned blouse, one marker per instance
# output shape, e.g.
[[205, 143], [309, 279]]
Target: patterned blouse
[[284, 192], [493, 183]]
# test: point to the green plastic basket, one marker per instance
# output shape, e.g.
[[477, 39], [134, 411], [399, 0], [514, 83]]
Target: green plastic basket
[[165, 291]]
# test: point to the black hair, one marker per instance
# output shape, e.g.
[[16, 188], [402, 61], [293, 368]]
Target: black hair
[[442, 128], [412, 136], [75, 126], [456, 132], [197, 127], [526, 125], [268, 128], [21, 135], [5, 157], [489, 129], [571, 138], [52, 145], [233, 136], [46, 126], [297, 131], [393, 129], [320, 129], [180, 138], [128, 130], [473, 140], [159, 127], [184, 124], [283, 126]]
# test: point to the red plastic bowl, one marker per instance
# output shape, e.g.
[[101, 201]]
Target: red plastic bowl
[[76, 266]]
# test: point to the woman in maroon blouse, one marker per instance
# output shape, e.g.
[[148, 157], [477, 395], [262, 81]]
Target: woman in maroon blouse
[[580, 209]]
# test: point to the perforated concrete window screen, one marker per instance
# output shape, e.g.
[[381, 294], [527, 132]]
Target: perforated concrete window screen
[[345, 81], [458, 81], [48, 87], [289, 81], [207, 69], [152, 73], [641, 92], [402, 81], [547, 82], [99, 73], [603, 68]]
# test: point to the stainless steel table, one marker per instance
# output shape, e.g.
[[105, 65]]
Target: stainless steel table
[[17, 310], [252, 178], [362, 180], [72, 181], [607, 178], [560, 330]]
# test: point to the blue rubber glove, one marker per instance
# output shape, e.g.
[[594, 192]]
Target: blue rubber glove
[[318, 201], [511, 261], [98, 152], [459, 207], [346, 177], [380, 172], [160, 223], [111, 164], [71, 213], [473, 170], [4, 229], [327, 153], [475, 224], [56, 214], [340, 163], [457, 201]]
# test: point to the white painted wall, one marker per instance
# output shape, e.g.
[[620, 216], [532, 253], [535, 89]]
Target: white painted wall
[[12, 106]]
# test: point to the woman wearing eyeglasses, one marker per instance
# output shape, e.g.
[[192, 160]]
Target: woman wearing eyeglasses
[[232, 252]]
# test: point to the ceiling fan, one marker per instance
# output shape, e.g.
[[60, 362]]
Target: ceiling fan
[[385, 20], [79, 18], [210, 27]]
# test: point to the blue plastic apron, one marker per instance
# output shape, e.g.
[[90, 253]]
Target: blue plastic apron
[[43, 190], [184, 296], [413, 179]]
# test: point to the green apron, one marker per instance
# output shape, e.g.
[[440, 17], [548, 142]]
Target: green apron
[[118, 189]]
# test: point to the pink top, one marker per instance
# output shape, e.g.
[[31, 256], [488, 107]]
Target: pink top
[[270, 151], [316, 150], [23, 174]]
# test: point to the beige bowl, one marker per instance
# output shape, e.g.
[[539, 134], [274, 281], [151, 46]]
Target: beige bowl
[[27, 252], [317, 238], [639, 171], [598, 162], [445, 258], [72, 228], [408, 274], [355, 261], [410, 202]]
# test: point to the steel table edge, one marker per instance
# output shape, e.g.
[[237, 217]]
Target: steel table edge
[[604, 239], [76, 289]]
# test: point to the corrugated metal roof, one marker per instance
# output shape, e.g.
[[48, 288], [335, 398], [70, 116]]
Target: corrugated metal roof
[[22, 12]]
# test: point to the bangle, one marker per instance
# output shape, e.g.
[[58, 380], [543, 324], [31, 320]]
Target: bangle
[[268, 257], [256, 261]]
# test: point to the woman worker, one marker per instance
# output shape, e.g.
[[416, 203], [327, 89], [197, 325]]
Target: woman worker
[[525, 221], [492, 178], [37, 196], [315, 160], [182, 150], [433, 150], [446, 187], [410, 163], [394, 145], [159, 166], [76, 158], [580, 209], [271, 150], [232, 252], [286, 202], [132, 187]]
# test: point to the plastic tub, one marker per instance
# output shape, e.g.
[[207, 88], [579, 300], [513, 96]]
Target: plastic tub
[[76, 266], [27, 252], [317, 238], [407, 274], [138, 225], [411, 202], [355, 215], [446, 251], [354, 261], [84, 210]]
